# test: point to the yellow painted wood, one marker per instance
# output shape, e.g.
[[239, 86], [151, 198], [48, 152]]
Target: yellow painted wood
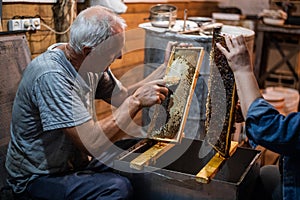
[[150, 156], [211, 168]]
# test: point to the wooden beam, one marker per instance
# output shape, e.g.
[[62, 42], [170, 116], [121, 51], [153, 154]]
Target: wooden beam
[[64, 12], [0, 15], [151, 155], [211, 168]]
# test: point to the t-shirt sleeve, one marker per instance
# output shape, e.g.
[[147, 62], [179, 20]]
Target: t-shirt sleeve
[[108, 85], [60, 101]]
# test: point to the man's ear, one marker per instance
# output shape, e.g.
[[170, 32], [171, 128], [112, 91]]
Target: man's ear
[[86, 50]]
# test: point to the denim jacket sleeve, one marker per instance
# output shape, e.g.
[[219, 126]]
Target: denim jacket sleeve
[[267, 127]]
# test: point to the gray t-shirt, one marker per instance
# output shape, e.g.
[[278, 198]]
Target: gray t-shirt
[[51, 96]]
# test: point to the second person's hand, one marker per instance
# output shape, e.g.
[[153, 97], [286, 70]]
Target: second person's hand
[[237, 54]]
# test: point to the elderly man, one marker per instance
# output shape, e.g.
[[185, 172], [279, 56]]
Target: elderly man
[[54, 132]]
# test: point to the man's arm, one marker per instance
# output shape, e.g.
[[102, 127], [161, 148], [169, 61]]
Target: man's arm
[[94, 137]]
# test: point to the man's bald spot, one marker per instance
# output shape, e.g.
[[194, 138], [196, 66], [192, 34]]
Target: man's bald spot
[[100, 13]]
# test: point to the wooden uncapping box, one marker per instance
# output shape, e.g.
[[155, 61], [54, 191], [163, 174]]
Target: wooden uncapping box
[[184, 168]]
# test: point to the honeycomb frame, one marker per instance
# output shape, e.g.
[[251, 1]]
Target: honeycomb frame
[[168, 119]]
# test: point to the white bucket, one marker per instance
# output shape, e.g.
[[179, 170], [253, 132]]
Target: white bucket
[[291, 97], [276, 100], [248, 34]]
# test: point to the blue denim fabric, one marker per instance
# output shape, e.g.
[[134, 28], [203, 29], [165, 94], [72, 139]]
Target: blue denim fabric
[[50, 96], [266, 127], [81, 185], [95, 181]]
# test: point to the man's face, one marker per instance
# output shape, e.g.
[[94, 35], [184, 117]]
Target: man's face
[[114, 47], [104, 54]]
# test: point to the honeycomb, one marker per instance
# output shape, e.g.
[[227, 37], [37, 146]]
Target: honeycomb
[[222, 99], [181, 74]]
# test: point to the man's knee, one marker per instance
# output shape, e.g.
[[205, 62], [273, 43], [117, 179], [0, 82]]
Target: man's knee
[[122, 187]]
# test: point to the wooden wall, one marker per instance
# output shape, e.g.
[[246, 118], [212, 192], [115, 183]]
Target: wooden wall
[[38, 41], [136, 13]]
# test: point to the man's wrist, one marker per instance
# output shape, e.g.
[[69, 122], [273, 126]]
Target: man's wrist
[[134, 103], [242, 72]]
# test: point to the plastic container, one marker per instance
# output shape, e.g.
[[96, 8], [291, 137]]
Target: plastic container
[[290, 95], [277, 100]]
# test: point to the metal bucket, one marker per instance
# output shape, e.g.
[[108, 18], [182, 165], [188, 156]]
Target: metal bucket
[[163, 15]]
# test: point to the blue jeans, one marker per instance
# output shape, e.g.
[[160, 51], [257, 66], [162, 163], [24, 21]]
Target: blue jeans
[[81, 185], [96, 181]]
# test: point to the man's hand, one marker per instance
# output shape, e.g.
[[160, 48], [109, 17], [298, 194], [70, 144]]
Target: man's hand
[[237, 54], [151, 93]]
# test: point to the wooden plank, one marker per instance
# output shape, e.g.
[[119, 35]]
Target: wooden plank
[[145, 7], [137, 12], [134, 16], [11, 10], [135, 39], [134, 19], [211, 168], [40, 40], [204, 9], [151, 155]]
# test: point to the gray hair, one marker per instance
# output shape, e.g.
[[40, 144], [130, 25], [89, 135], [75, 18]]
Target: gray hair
[[94, 25]]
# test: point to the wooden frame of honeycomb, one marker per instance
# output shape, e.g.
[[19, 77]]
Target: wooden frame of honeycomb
[[168, 120], [220, 109]]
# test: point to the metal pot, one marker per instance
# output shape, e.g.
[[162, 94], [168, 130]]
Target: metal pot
[[163, 15]]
